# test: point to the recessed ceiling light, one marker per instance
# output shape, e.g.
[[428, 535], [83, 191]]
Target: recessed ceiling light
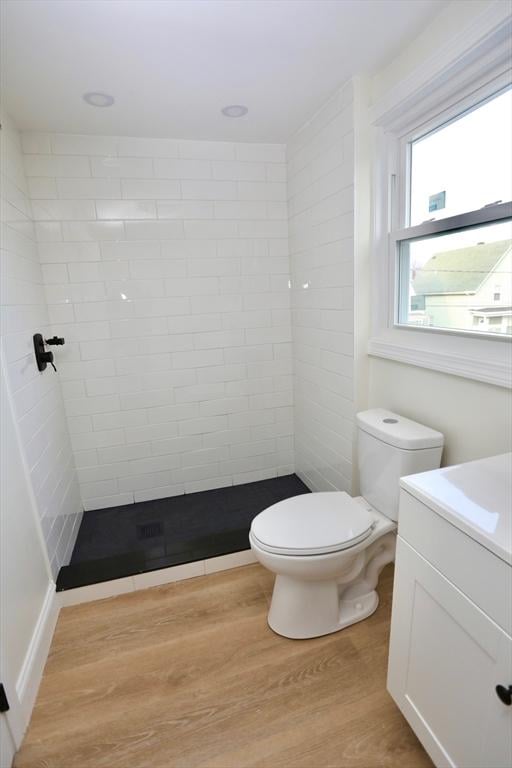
[[98, 99], [234, 110]]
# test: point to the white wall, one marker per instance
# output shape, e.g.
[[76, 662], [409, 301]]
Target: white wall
[[321, 231], [474, 417], [166, 269], [23, 563], [37, 401], [27, 610]]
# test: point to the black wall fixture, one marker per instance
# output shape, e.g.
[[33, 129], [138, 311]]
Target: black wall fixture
[[55, 341], [42, 356], [4, 704]]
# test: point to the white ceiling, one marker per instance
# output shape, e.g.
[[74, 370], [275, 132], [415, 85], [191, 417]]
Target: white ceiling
[[172, 64]]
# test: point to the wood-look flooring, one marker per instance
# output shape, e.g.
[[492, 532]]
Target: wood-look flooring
[[189, 675]]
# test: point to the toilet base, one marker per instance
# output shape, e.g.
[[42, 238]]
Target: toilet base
[[305, 609]]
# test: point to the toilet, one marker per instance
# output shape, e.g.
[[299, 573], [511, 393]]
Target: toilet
[[327, 549]]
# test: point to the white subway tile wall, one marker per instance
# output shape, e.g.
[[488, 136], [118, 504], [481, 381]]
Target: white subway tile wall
[[321, 230], [166, 269], [39, 410]]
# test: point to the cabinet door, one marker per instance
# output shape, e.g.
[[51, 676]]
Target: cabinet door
[[446, 658]]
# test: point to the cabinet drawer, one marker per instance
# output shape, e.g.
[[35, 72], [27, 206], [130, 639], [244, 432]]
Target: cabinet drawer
[[479, 573], [446, 658]]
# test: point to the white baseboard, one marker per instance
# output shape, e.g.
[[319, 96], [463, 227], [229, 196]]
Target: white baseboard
[[31, 672]]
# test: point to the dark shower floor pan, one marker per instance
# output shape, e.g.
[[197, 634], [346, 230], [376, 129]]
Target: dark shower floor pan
[[145, 536]]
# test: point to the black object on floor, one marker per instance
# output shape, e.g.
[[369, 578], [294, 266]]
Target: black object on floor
[[147, 535]]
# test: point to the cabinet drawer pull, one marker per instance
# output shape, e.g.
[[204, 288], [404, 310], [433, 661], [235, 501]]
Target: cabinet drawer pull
[[504, 694]]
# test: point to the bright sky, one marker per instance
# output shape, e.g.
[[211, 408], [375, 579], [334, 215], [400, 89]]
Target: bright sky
[[471, 161]]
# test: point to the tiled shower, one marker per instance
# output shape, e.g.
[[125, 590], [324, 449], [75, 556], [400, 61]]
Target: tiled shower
[[201, 287], [166, 269]]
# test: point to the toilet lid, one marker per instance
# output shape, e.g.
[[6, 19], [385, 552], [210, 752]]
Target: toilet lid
[[312, 524]]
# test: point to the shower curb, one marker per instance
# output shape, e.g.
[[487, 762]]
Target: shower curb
[[139, 581]]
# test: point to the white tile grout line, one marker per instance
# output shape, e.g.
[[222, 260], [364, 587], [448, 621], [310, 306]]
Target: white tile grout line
[[139, 581]]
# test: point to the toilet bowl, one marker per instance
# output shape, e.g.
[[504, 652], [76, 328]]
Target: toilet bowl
[[324, 581], [327, 549]]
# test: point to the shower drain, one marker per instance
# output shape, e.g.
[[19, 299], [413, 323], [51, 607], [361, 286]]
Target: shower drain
[[149, 530]]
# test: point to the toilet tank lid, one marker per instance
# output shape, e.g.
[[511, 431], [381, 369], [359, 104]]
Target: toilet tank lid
[[398, 431]]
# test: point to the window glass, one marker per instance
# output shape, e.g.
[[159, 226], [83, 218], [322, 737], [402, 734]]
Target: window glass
[[465, 164], [458, 281]]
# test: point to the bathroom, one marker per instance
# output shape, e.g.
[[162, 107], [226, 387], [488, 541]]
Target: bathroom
[[251, 278]]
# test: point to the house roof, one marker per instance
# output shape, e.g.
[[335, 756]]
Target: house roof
[[459, 271], [491, 310]]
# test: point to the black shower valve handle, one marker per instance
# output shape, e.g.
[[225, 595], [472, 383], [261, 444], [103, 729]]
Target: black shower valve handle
[[43, 358], [55, 341]]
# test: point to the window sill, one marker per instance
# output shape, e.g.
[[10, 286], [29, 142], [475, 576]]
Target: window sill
[[480, 359]]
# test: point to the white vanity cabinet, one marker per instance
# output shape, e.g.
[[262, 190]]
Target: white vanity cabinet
[[451, 624]]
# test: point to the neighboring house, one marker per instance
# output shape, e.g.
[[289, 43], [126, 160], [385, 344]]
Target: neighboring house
[[465, 288]]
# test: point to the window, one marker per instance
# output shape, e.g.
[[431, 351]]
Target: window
[[454, 250], [442, 208]]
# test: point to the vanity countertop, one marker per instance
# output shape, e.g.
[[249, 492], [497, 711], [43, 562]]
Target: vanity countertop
[[476, 497]]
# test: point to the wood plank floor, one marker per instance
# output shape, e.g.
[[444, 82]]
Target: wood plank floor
[[189, 675]]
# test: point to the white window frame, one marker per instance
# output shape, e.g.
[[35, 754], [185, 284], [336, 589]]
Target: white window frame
[[476, 67]]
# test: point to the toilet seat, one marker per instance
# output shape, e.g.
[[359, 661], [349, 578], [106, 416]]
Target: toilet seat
[[312, 524]]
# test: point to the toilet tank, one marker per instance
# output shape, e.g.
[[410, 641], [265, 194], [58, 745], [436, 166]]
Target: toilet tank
[[390, 447]]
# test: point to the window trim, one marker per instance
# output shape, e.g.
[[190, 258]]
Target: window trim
[[433, 95]]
